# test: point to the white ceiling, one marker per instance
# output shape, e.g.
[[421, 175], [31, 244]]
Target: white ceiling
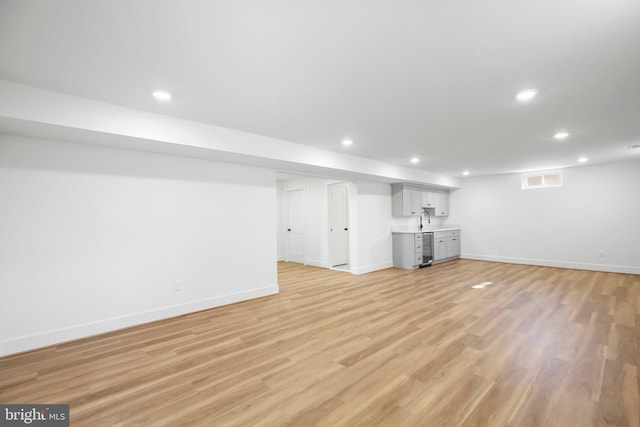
[[433, 79]]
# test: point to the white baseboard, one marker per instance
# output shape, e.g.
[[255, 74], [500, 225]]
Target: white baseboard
[[316, 263], [555, 263], [371, 268], [57, 336]]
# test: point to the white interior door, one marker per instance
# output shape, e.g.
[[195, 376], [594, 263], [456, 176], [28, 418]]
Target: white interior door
[[338, 226], [295, 225]]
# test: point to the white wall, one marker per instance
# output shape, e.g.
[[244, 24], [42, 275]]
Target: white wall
[[369, 223], [597, 208], [373, 227], [317, 210], [93, 239]]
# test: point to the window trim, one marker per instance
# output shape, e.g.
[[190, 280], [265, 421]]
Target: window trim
[[541, 174]]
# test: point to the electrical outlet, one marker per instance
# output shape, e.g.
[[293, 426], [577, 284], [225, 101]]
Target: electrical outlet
[[178, 286], [601, 253]]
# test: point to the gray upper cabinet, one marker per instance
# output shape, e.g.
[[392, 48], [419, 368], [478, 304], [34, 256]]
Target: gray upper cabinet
[[408, 200], [411, 201], [428, 198], [405, 200], [442, 204]]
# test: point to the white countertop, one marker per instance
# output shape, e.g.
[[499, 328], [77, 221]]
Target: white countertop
[[426, 229]]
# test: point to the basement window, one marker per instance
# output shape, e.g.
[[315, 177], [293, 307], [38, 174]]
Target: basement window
[[544, 179]]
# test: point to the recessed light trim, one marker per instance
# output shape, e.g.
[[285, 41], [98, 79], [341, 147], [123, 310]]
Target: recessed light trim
[[415, 160], [465, 173], [560, 135], [347, 142], [527, 94], [583, 159], [161, 95]]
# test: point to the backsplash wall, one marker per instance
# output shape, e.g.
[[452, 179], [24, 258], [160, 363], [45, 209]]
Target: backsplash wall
[[410, 222]]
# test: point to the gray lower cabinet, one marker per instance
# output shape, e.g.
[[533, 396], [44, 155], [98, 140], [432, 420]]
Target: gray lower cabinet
[[446, 245], [407, 250], [453, 245], [439, 245]]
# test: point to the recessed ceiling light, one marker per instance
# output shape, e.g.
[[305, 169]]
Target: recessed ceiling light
[[347, 142], [161, 95], [415, 160], [561, 135], [465, 173], [527, 94], [583, 159]]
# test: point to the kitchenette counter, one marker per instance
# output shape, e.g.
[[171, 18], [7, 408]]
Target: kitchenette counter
[[427, 229], [415, 248]]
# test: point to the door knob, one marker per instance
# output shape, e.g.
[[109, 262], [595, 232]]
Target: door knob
[[288, 229]]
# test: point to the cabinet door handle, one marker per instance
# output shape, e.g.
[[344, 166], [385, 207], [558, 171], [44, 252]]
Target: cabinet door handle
[[346, 229]]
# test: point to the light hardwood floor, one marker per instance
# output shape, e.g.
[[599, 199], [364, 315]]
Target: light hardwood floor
[[537, 347]]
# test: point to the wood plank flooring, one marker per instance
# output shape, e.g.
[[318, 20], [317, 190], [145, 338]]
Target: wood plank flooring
[[537, 347]]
